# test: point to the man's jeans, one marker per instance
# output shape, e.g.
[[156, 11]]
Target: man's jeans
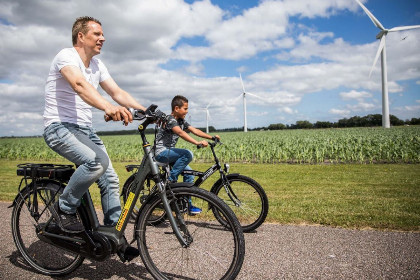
[[179, 158], [81, 145]]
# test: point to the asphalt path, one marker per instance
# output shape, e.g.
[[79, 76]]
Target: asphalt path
[[272, 252]]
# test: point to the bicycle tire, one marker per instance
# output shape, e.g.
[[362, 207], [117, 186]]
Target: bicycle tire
[[165, 258], [41, 256], [130, 187], [253, 208]]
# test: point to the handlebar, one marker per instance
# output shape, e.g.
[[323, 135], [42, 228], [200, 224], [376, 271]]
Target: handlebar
[[215, 142], [152, 114]]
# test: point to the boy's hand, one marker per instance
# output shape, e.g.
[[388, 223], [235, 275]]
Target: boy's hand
[[204, 143]]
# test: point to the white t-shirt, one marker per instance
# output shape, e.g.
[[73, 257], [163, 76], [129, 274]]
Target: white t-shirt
[[62, 103]]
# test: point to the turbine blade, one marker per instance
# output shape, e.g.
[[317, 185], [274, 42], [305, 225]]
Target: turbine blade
[[381, 46], [236, 99], [243, 87], [371, 16], [401, 28], [255, 95]]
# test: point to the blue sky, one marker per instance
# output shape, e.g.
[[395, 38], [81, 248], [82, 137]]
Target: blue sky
[[307, 60]]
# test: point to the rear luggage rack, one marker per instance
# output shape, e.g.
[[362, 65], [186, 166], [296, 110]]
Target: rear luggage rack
[[60, 172]]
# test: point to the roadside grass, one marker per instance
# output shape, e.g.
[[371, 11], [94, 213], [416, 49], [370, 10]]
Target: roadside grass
[[376, 196]]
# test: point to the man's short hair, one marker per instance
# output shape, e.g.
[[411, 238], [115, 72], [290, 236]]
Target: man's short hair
[[178, 100], [81, 25]]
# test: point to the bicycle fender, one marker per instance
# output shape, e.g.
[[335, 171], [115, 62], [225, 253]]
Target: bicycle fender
[[181, 184], [218, 182], [27, 188], [22, 192]]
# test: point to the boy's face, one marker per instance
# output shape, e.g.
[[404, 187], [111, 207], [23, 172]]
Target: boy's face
[[181, 112]]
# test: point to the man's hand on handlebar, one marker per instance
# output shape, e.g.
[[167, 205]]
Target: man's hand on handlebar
[[118, 113]]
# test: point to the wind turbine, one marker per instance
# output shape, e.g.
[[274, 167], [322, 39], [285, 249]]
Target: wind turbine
[[382, 50], [243, 94], [207, 117]]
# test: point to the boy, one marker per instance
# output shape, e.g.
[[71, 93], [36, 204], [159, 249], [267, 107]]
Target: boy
[[167, 138]]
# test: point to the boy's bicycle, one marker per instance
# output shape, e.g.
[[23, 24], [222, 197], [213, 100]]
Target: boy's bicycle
[[244, 195], [177, 248]]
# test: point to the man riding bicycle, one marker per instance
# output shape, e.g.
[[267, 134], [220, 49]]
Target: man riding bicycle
[[70, 93]]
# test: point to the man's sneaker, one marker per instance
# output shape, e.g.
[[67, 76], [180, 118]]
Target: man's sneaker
[[127, 253], [67, 222], [194, 210]]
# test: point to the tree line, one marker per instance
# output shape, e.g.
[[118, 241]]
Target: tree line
[[356, 121]]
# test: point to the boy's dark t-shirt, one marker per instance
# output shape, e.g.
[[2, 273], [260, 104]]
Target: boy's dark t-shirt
[[165, 138]]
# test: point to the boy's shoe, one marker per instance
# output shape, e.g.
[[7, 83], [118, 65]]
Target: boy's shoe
[[67, 222], [194, 210]]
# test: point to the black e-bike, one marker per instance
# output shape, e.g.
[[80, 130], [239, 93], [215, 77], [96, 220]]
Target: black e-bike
[[177, 248]]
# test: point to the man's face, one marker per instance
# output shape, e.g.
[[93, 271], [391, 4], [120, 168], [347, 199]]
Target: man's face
[[94, 38]]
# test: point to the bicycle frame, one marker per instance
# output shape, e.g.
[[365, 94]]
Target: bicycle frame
[[147, 166], [202, 176]]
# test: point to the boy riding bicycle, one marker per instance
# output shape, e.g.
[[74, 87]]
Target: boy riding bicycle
[[167, 137]]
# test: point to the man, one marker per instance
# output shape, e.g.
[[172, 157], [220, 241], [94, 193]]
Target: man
[[70, 94]]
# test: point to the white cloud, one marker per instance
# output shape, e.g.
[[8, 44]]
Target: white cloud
[[359, 95], [340, 112], [362, 107], [287, 110], [144, 38]]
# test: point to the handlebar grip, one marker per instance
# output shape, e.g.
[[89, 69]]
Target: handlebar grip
[[199, 146], [107, 118]]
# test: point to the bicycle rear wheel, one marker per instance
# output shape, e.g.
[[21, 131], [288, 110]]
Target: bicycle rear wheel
[[251, 207], [216, 252], [43, 257]]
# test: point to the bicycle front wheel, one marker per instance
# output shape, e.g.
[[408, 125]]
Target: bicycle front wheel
[[246, 198], [43, 257], [215, 251]]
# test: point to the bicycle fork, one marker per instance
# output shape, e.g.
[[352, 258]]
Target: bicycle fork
[[230, 192], [179, 227]]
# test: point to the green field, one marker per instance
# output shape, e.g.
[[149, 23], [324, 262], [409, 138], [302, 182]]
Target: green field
[[379, 196], [340, 187], [350, 145]]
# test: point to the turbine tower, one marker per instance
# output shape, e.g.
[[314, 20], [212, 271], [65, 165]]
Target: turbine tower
[[207, 117], [243, 94], [382, 51]]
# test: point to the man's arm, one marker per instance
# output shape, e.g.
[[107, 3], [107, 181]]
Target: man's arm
[[91, 96], [119, 95]]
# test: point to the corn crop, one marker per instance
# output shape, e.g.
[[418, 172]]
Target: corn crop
[[350, 145]]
